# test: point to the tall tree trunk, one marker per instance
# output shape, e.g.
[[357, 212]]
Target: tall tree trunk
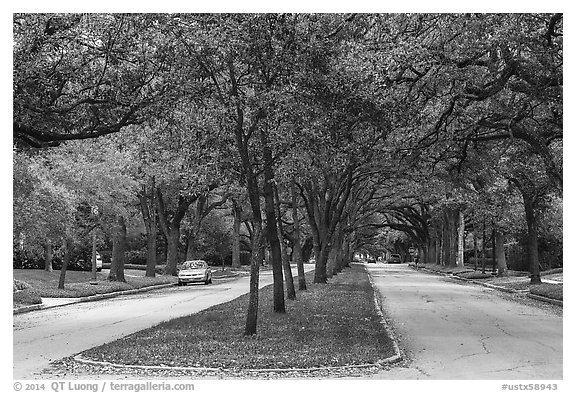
[[48, 254], [289, 279], [484, 246], [290, 290], [271, 224], [453, 236], [493, 248], [450, 237], [500, 254], [66, 260], [255, 261], [460, 252], [172, 253], [236, 211], [532, 239], [118, 250], [151, 252], [171, 228], [148, 208], [191, 250], [331, 264], [320, 270], [344, 260], [474, 234], [338, 251], [439, 246], [297, 246]]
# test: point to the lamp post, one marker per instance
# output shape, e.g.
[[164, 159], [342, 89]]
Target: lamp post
[[94, 278]]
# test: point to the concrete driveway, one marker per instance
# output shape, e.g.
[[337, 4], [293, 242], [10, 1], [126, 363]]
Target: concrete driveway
[[454, 330], [40, 337]]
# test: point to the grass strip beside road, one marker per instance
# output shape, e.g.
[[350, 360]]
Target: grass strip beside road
[[332, 324], [515, 280], [553, 291], [45, 284]]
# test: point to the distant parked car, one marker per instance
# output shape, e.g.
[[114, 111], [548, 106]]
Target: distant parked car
[[395, 258], [84, 262], [194, 271], [371, 260], [98, 262]]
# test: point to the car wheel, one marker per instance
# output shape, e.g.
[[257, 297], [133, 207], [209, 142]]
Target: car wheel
[[179, 284]]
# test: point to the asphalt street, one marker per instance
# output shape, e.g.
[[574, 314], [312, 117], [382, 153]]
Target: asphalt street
[[40, 337], [450, 330]]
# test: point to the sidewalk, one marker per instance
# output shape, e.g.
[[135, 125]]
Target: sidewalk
[[50, 302]]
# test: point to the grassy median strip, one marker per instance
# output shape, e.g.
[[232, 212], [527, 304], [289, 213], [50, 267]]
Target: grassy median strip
[[332, 324], [78, 283], [553, 291]]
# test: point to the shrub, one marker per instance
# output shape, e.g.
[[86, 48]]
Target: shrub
[[19, 286], [137, 257], [26, 297], [474, 275]]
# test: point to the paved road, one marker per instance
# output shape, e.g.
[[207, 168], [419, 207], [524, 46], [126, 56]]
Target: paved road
[[47, 335], [451, 330]]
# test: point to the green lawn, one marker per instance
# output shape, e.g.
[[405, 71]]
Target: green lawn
[[78, 284], [553, 291], [331, 324]]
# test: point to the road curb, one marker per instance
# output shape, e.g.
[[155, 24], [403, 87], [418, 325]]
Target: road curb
[[24, 309], [384, 322], [546, 299], [92, 298], [81, 360], [502, 289]]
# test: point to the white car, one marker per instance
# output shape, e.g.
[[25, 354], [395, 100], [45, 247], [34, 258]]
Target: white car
[[98, 262], [194, 271]]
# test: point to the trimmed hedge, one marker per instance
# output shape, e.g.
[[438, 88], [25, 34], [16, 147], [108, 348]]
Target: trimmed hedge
[[26, 297], [474, 275]]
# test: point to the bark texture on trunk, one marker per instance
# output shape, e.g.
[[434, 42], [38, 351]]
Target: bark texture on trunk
[[236, 211], [453, 236], [533, 260], [475, 249], [151, 254], [172, 247], [320, 269], [48, 255], [484, 246], [296, 245], [500, 254], [171, 228], [148, 208], [255, 261], [439, 247], [271, 226], [460, 251], [493, 248], [65, 261], [288, 278]]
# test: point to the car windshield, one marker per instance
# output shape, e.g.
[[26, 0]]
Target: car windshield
[[194, 265]]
